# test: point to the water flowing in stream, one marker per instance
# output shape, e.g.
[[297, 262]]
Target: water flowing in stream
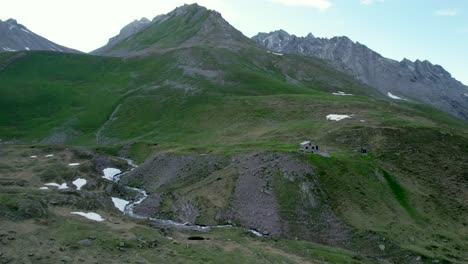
[[141, 197]]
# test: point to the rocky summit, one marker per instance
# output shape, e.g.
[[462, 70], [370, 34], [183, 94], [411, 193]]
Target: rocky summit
[[16, 37], [418, 81]]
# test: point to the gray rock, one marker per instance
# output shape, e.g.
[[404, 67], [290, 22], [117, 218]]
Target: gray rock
[[85, 243], [16, 37], [66, 259], [420, 81]]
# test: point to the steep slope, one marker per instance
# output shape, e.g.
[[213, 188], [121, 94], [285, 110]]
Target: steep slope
[[420, 81], [186, 26], [15, 37]]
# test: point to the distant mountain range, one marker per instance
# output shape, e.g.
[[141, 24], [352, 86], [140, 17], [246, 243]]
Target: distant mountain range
[[16, 37], [419, 81]]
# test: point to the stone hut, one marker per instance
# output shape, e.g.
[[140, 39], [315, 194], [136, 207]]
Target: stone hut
[[308, 146]]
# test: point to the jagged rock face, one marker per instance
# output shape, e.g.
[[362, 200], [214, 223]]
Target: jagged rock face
[[130, 29], [16, 37], [419, 81]]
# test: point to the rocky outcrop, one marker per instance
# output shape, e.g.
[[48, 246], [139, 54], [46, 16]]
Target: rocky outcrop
[[277, 194], [130, 29], [419, 81], [16, 37]]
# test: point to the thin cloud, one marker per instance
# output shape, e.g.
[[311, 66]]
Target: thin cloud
[[370, 2], [319, 4], [450, 12]]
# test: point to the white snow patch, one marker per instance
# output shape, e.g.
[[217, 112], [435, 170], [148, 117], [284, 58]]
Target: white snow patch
[[8, 49], [79, 183], [44, 188], [74, 164], [334, 117], [342, 93], [466, 95], [394, 96], [255, 232], [25, 30], [90, 216], [27, 48], [120, 203], [275, 53], [109, 173], [33, 156], [62, 186], [49, 156]]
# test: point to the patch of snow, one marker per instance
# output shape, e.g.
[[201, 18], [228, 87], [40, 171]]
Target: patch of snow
[[44, 188], [275, 53], [49, 156], [33, 156], [25, 30], [90, 216], [466, 95], [394, 96], [11, 27], [74, 164], [255, 233], [120, 203], [109, 173], [342, 93], [79, 183], [62, 186], [27, 48], [8, 49], [334, 117]]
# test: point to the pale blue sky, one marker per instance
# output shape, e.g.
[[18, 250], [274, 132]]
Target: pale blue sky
[[436, 30]]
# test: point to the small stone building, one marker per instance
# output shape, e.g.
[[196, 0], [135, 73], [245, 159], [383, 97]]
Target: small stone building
[[308, 146]]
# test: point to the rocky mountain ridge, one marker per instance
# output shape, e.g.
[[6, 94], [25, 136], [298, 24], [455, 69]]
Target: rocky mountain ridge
[[419, 81], [16, 37]]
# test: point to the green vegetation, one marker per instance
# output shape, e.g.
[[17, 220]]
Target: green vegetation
[[399, 192]]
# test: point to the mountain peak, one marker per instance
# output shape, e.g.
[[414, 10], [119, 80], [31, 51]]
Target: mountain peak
[[16, 37], [11, 21], [185, 26], [187, 7]]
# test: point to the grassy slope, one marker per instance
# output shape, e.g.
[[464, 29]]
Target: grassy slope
[[43, 91]]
